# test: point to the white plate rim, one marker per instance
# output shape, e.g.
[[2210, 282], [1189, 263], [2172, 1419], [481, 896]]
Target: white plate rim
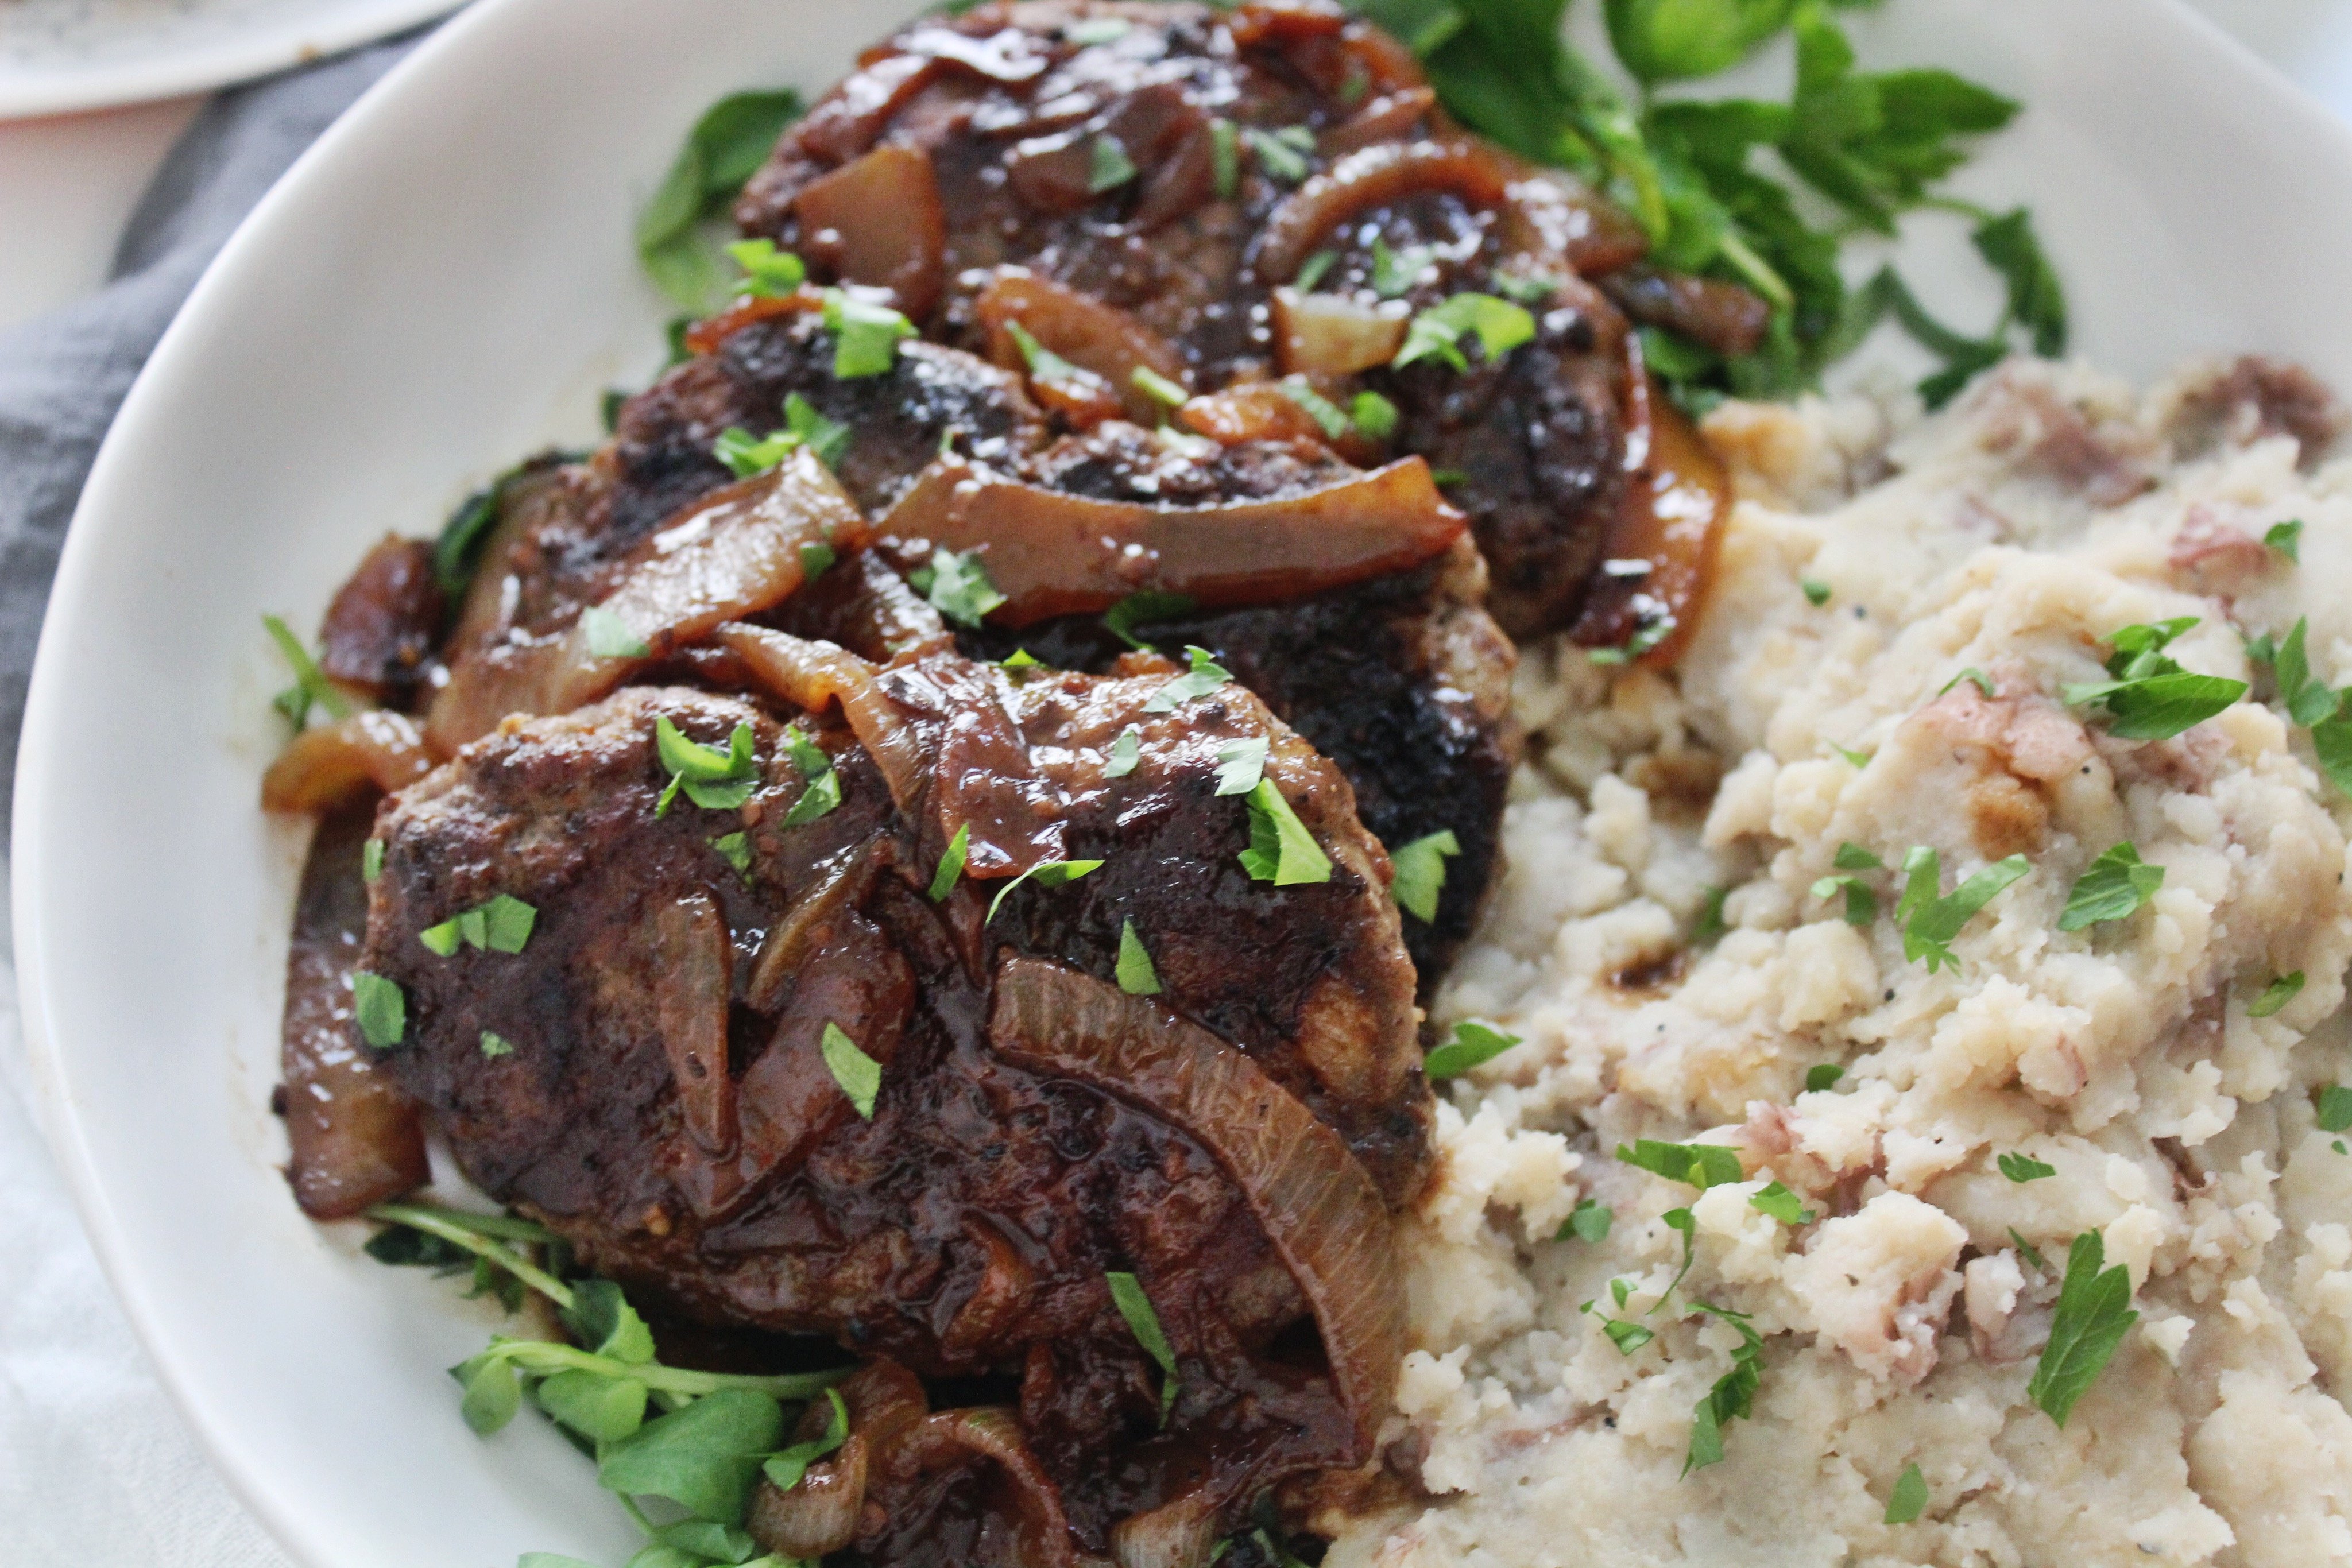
[[45, 724], [274, 46]]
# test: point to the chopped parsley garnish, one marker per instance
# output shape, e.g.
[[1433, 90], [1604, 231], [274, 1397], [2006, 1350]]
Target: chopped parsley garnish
[[1421, 873], [1282, 153], [2023, 1168], [735, 849], [1709, 927], [501, 925], [865, 335], [747, 455], [1314, 269], [1823, 1075], [1857, 758], [1909, 1497], [380, 1008], [1974, 677], [1436, 333], [2149, 696], [828, 438], [1929, 923], [859, 1075], [1125, 753], [2286, 538], [1281, 851], [1157, 388], [310, 684], [371, 859], [609, 636], [1128, 1295], [1777, 1202], [1043, 363], [1628, 1337], [1205, 677], [1473, 1045], [767, 273], [1044, 873], [1816, 591], [714, 779], [2028, 1250], [786, 1469], [2093, 1315], [1109, 166], [2283, 989], [816, 559], [1373, 414], [1224, 158], [1861, 902], [823, 790], [1240, 765], [1136, 976], [495, 1045], [2334, 1108], [1146, 604], [1588, 1221], [1329, 417], [2309, 702], [725, 148], [1394, 272], [1732, 1399], [1700, 1165], [2112, 888], [950, 867], [957, 586]]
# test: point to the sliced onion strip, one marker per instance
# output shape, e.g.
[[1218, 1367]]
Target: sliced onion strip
[[337, 763], [809, 674], [1373, 177]]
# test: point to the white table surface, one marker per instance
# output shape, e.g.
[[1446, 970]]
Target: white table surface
[[139, 1494]]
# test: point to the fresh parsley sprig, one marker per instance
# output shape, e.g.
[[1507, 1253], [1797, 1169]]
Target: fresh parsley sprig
[[724, 150], [1421, 873], [2112, 887], [2149, 696], [1931, 921], [2093, 1315]]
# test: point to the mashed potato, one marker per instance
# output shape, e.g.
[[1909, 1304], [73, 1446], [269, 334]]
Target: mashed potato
[[1658, 947]]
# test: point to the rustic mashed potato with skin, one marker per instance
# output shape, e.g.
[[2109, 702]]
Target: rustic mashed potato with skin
[[1901, 1322]]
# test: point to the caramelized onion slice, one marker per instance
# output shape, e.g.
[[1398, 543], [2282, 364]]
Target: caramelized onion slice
[[1722, 316], [1335, 334], [1558, 222], [1316, 1206], [810, 674], [1051, 553], [1384, 119], [1672, 516], [1081, 329], [820, 1514], [338, 763], [734, 553], [688, 959], [1178, 1534], [877, 220], [705, 336], [1374, 177], [993, 1432]]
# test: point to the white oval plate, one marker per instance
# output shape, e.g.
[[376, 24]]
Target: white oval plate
[[446, 280], [59, 56]]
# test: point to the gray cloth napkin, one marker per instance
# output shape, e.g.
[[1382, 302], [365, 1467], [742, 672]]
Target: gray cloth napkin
[[96, 1468], [63, 376]]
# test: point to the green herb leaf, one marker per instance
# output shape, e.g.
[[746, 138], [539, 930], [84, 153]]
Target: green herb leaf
[[859, 1075], [1110, 167], [705, 1543], [600, 1408], [1700, 1165], [1588, 1221], [1127, 1293], [2023, 1168], [1851, 856], [1313, 270], [2309, 702], [2036, 300], [1044, 364], [1777, 1202], [1823, 1075], [735, 849], [1909, 1497], [1472, 1045], [1436, 332], [1421, 873], [828, 438], [2151, 698], [1856, 759], [1930, 922], [767, 273], [1206, 675], [1709, 927], [2092, 1317], [2027, 1250], [310, 684], [950, 867], [1974, 677], [816, 559], [746, 454], [1136, 976], [1160, 389], [2334, 1108], [609, 636], [692, 760], [371, 859], [495, 1045], [1224, 158], [727, 145], [960, 589], [2282, 990], [2331, 741], [1816, 591], [2113, 888], [1280, 155], [1125, 752], [1281, 849], [1044, 873], [1240, 765], [787, 1468], [1671, 41], [865, 335], [1121, 618], [703, 1457], [1327, 415], [1627, 1337], [2286, 538], [381, 1009], [1732, 1399], [1373, 414], [823, 791], [601, 1316], [1861, 902], [493, 1395], [1395, 272]]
